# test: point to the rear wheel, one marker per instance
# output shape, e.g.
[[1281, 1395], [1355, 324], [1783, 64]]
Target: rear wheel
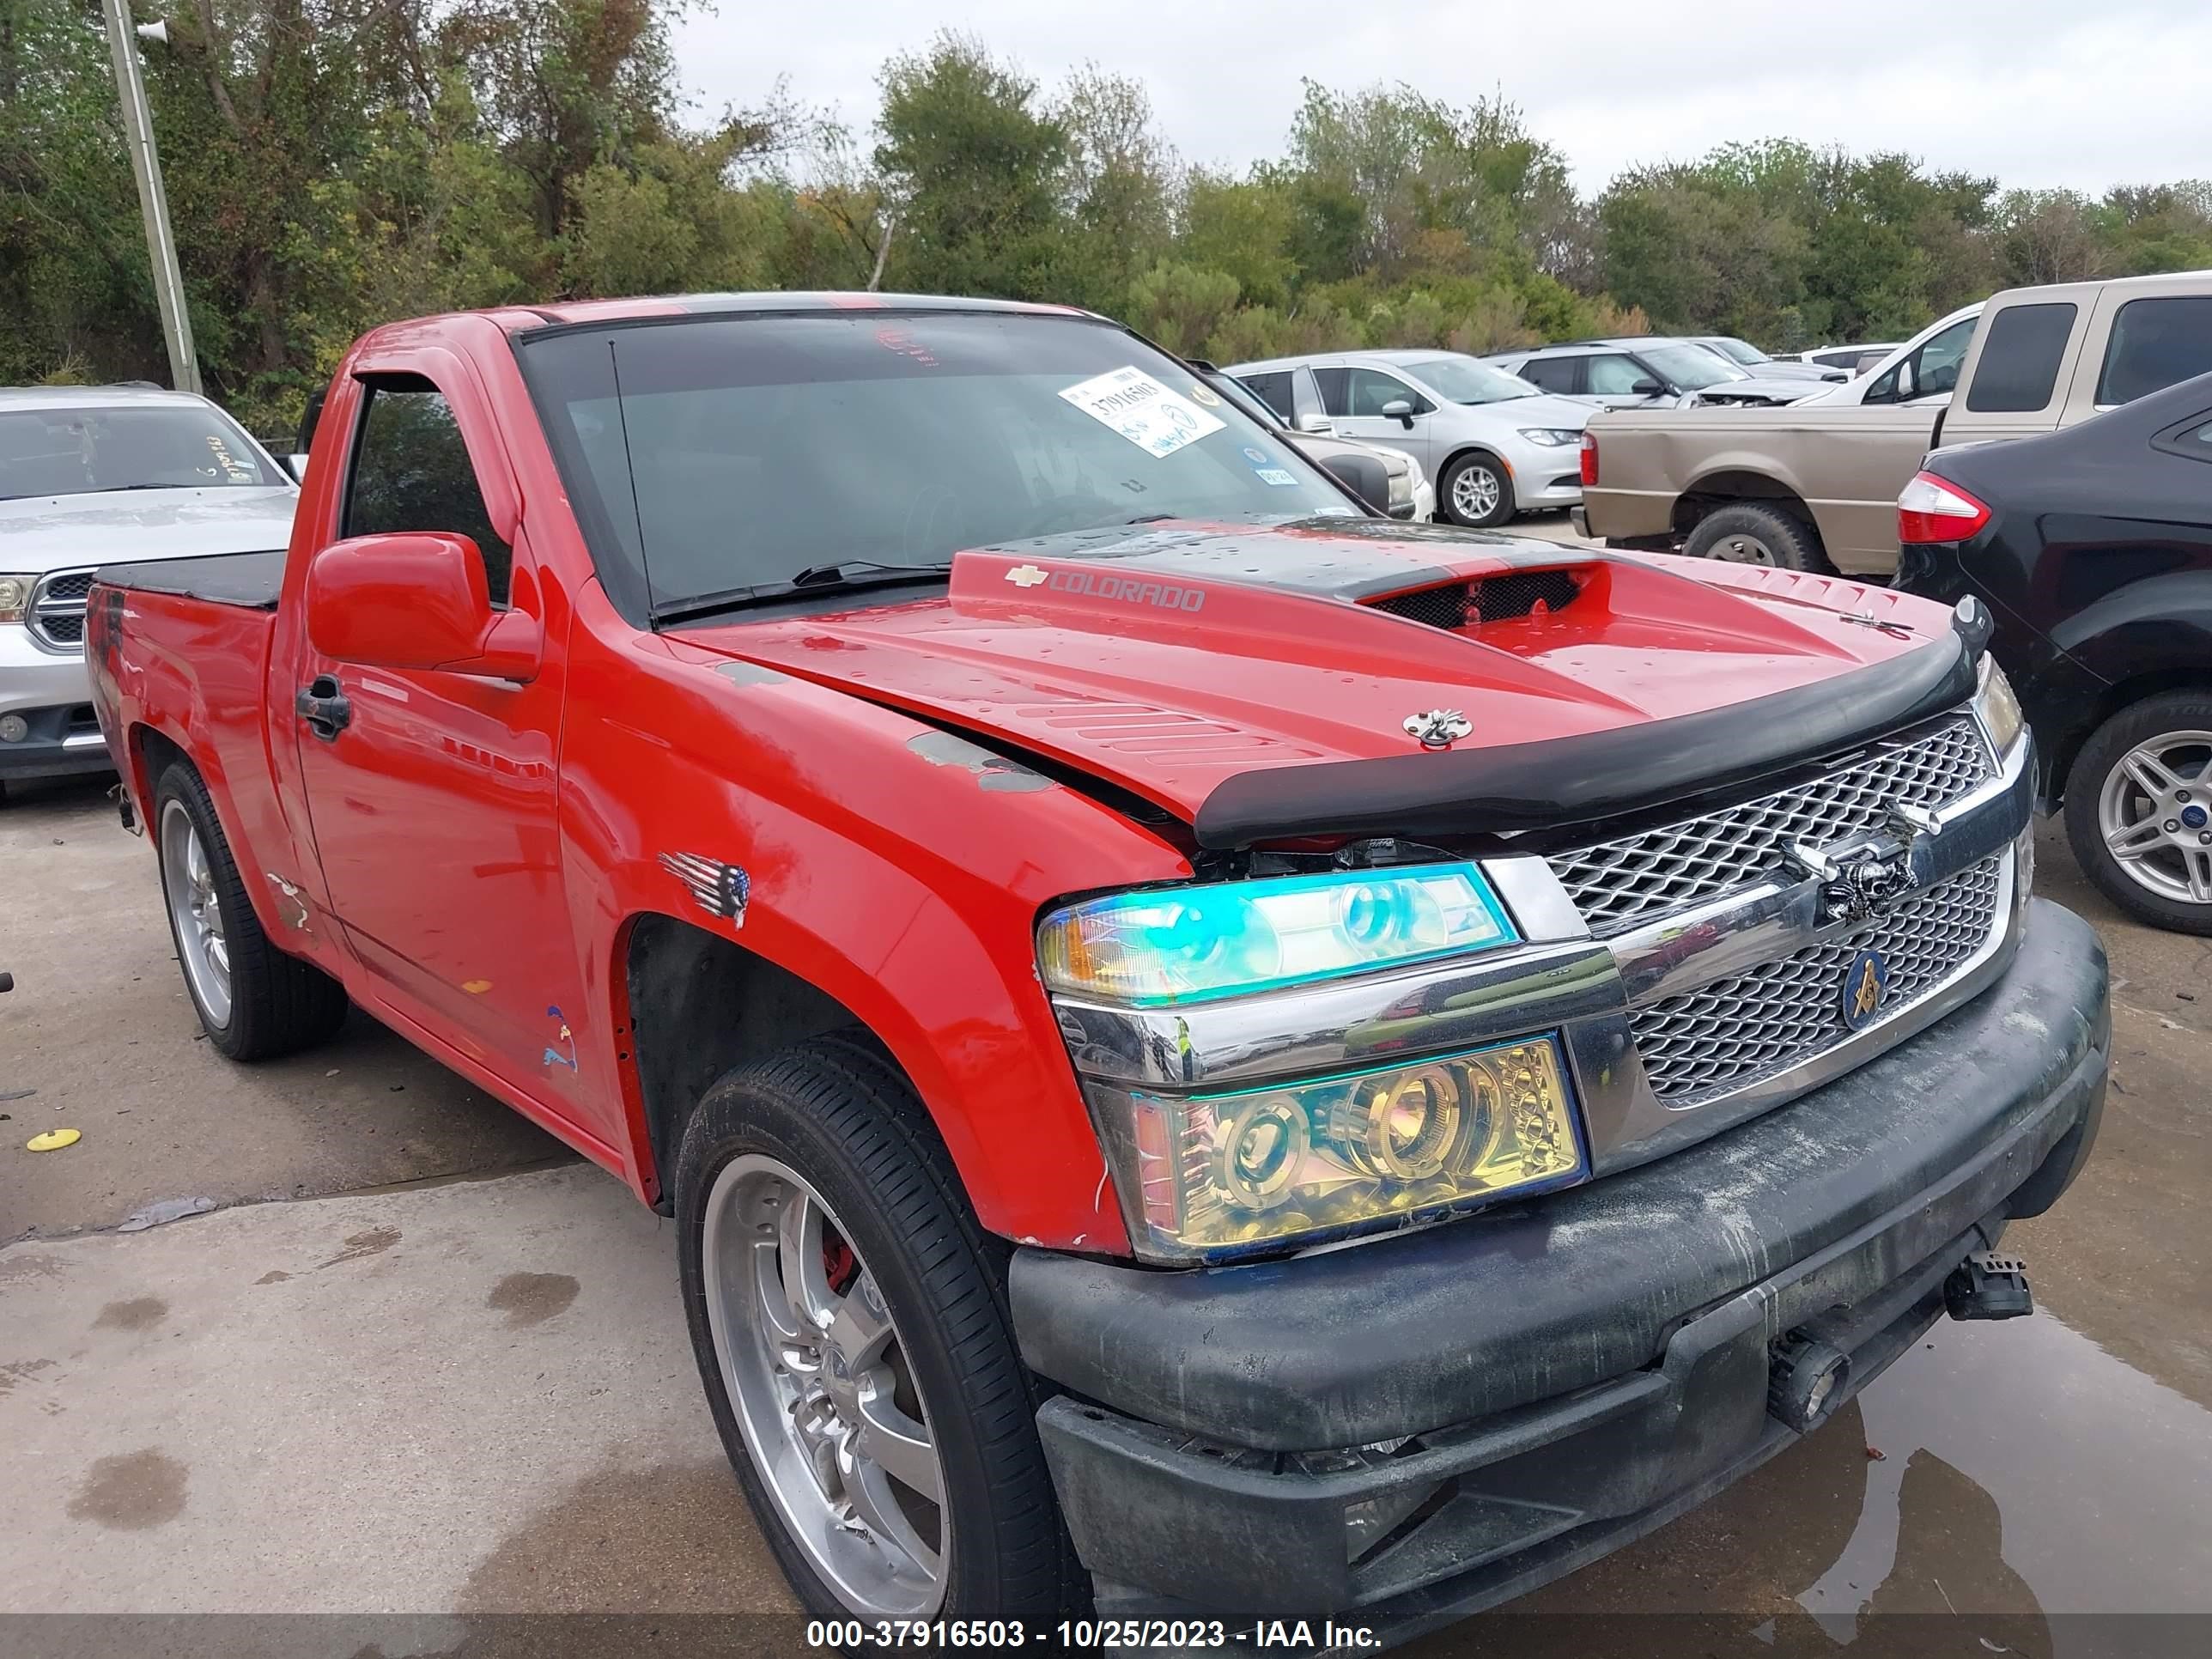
[[1476, 490], [253, 1001], [1748, 533], [850, 1323], [2139, 810]]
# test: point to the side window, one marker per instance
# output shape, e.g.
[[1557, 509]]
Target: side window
[[412, 471], [1554, 373], [1274, 391], [2191, 442], [2019, 366], [1371, 389], [2155, 343], [1615, 376], [1334, 393]]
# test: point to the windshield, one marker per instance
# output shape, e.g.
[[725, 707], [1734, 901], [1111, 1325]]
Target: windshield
[[1690, 368], [745, 450], [1463, 381], [83, 452], [1742, 353]]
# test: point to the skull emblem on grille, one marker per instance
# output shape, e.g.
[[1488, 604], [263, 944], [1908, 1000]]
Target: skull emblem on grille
[[1859, 883]]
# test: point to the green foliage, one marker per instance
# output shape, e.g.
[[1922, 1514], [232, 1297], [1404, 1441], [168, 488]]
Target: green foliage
[[975, 164], [332, 164]]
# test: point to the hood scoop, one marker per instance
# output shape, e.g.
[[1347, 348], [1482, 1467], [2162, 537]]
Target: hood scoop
[[1510, 597]]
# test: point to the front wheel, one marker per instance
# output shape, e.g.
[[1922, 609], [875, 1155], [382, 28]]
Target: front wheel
[[2139, 810], [850, 1322], [1476, 490]]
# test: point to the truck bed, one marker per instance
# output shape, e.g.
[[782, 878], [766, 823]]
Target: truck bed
[[249, 581]]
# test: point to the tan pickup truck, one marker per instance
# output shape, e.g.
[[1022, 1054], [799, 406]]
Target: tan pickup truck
[[1814, 485]]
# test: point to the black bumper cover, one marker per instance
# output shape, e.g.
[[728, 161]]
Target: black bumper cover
[[1566, 1375], [46, 752]]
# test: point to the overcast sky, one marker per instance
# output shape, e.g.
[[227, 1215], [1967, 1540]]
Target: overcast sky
[[2040, 93]]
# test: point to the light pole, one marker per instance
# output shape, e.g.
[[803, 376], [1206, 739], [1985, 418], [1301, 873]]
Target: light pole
[[153, 200]]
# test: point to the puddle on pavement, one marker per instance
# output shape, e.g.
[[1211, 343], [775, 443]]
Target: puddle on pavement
[[2026, 1478], [2094, 1476]]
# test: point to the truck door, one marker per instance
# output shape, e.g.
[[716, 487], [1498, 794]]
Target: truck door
[[433, 799]]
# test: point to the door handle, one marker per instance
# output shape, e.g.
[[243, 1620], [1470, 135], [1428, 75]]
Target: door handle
[[325, 707]]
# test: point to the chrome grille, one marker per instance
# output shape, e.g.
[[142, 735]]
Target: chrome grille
[[1620, 883], [57, 616], [1732, 1033]]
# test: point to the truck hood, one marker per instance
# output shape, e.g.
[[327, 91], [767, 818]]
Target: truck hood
[[1171, 660], [39, 533]]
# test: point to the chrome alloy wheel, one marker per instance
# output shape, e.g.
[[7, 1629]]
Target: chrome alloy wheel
[[2154, 812], [1474, 492], [188, 883], [820, 1384], [1743, 549]]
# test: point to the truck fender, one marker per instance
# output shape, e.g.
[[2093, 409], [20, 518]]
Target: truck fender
[[895, 868]]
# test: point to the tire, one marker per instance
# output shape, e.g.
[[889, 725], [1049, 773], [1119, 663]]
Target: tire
[[2103, 796], [272, 1004], [838, 1120], [1750, 534], [1474, 468]]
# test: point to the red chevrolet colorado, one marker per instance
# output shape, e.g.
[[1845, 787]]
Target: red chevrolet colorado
[[1213, 1055]]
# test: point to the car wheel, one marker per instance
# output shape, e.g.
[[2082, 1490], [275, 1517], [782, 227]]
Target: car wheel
[[850, 1321], [254, 1001], [1476, 490], [2139, 810], [1750, 534]]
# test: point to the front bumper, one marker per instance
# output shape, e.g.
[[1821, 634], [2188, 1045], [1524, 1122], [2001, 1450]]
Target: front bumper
[[1547, 479], [53, 694], [1425, 1425]]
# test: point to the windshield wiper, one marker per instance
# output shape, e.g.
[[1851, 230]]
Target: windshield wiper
[[815, 578], [833, 575]]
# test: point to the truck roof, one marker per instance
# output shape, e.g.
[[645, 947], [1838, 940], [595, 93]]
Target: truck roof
[[522, 318]]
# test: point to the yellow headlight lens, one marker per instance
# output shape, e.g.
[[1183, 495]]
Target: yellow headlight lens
[[1999, 709], [1219, 1173], [15, 597]]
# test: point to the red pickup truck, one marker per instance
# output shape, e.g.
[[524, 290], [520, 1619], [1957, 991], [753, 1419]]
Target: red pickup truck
[[1213, 1055]]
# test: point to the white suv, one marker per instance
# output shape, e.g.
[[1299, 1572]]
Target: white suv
[[1493, 445], [92, 476]]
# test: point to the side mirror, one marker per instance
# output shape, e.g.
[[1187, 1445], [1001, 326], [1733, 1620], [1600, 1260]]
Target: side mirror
[[297, 466], [1400, 410], [415, 600], [1647, 387], [1365, 476], [1319, 426]]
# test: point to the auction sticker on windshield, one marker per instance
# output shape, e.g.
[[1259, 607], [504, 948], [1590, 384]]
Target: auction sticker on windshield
[[1156, 420]]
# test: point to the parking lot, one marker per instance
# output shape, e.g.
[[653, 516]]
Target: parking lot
[[419, 1363]]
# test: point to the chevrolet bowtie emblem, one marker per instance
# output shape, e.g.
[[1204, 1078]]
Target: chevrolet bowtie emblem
[[1026, 575]]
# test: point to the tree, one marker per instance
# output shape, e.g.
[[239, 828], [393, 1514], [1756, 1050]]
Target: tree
[[976, 170]]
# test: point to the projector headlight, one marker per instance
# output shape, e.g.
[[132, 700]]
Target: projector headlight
[[1997, 705], [1181, 943], [1215, 1175], [1552, 437]]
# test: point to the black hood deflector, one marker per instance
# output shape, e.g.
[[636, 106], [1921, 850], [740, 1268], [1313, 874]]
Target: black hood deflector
[[1602, 775]]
